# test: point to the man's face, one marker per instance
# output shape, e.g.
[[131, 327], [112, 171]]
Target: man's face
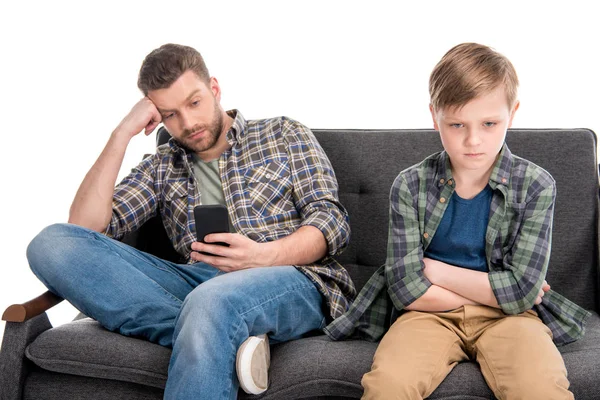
[[474, 134], [191, 111]]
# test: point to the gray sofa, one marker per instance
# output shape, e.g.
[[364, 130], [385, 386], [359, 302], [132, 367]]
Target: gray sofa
[[81, 360]]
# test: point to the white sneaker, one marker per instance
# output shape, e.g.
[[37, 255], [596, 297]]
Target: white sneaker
[[252, 364]]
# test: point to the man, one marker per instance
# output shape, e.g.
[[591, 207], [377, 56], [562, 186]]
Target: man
[[276, 277]]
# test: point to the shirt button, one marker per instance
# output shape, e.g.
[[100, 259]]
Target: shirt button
[[450, 182], [426, 235], [443, 200], [442, 181], [268, 176], [503, 180]]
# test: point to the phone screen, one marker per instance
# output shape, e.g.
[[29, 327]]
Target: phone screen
[[211, 219]]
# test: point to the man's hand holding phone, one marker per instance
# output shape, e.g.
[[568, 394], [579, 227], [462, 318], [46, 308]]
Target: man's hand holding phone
[[221, 249]]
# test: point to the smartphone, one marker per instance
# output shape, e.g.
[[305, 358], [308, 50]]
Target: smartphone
[[211, 219]]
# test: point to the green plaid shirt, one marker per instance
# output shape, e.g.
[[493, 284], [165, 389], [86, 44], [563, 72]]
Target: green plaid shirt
[[276, 178], [517, 247]]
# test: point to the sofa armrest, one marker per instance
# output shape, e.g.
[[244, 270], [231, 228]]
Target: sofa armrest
[[14, 365], [32, 308]]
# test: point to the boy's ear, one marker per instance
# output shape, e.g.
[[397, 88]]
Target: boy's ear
[[433, 117], [512, 113]]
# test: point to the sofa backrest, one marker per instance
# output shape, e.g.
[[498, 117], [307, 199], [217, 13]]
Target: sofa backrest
[[366, 163]]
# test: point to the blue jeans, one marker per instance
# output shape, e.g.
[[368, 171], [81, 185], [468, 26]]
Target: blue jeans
[[202, 313]]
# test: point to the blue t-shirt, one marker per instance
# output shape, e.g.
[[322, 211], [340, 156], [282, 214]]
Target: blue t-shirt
[[460, 237]]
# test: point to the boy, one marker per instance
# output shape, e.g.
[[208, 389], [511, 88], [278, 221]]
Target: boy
[[468, 250]]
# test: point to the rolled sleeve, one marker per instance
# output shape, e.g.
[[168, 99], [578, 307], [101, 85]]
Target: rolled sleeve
[[518, 283], [316, 188], [405, 291], [326, 217]]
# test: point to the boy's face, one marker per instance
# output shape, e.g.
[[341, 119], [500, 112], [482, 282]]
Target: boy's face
[[473, 135]]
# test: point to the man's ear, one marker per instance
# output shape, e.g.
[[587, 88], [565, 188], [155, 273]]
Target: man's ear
[[215, 88], [512, 113], [434, 118]]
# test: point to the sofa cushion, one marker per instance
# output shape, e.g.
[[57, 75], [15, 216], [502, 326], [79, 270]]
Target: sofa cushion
[[308, 367], [85, 348]]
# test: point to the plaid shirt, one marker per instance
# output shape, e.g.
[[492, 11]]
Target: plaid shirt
[[517, 247], [276, 178]]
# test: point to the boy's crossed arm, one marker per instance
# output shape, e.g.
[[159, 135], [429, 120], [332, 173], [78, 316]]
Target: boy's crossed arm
[[453, 287], [421, 284]]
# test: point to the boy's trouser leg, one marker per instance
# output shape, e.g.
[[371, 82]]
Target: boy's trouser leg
[[220, 314], [414, 356], [519, 360]]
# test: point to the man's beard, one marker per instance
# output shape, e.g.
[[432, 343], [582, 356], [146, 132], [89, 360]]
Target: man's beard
[[212, 132]]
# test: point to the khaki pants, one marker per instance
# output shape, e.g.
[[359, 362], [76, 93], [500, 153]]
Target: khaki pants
[[515, 352]]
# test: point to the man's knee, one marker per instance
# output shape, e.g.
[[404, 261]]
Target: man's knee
[[210, 299], [206, 311], [49, 250], [209, 295]]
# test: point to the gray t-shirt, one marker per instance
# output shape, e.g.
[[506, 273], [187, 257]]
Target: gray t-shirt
[[209, 181]]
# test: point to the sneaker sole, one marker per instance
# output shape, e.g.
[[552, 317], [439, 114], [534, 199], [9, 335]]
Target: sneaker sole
[[245, 355]]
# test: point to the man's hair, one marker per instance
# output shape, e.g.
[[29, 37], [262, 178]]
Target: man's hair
[[165, 65], [467, 71]]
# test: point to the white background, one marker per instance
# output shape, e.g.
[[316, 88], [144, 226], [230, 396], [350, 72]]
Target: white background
[[68, 75]]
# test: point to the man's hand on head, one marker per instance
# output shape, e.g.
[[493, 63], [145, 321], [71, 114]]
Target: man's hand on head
[[143, 116], [242, 252]]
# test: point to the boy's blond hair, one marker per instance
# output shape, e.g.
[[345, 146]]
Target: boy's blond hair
[[467, 71]]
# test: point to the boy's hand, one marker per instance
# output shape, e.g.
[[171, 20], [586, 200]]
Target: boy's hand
[[543, 290]]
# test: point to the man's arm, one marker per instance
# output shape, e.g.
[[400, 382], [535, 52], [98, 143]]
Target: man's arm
[[304, 246], [92, 206], [315, 188]]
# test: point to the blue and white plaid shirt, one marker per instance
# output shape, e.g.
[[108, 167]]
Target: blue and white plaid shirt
[[276, 178]]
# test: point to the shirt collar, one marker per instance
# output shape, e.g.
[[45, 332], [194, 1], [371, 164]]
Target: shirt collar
[[238, 127], [500, 173]]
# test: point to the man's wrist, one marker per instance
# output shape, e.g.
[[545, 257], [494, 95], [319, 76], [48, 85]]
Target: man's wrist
[[268, 253], [121, 137]]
